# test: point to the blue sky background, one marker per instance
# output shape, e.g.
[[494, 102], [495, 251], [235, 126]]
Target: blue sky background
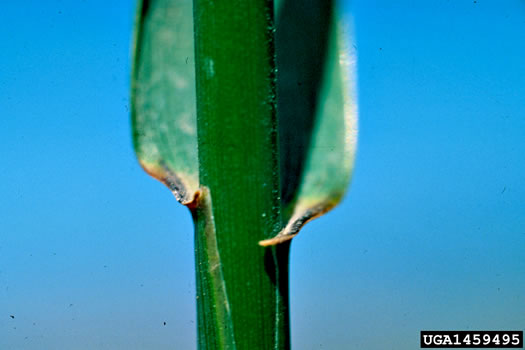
[[94, 254]]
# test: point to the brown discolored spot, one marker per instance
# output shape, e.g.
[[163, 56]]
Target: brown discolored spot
[[297, 221], [177, 185]]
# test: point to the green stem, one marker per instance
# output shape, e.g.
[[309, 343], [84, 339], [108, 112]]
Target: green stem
[[242, 288]]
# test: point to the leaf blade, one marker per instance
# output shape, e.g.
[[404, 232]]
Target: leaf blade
[[163, 96], [330, 150]]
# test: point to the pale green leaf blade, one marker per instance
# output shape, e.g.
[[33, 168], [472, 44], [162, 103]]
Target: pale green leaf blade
[[163, 95], [322, 156]]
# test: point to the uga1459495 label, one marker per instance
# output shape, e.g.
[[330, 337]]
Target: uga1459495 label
[[472, 339]]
